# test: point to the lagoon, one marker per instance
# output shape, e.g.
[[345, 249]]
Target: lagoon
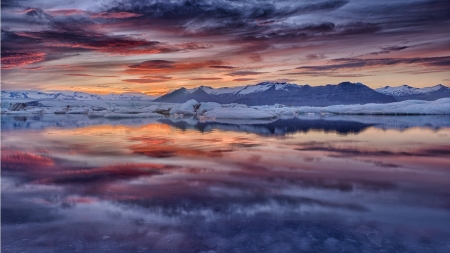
[[71, 183]]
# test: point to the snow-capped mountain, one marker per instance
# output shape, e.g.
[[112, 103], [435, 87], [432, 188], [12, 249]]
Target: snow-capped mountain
[[71, 95], [267, 93], [406, 92]]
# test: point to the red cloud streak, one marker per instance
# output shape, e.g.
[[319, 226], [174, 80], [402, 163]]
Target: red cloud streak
[[18, 59]]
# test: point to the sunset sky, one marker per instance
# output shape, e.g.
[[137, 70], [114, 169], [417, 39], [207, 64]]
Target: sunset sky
[[103, 46]]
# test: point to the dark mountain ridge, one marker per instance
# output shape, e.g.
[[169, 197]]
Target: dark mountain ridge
[[268, 93]]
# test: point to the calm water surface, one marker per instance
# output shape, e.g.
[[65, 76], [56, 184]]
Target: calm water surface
[[74, 184]]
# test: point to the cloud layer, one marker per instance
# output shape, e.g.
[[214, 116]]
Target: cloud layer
[[222, 39]]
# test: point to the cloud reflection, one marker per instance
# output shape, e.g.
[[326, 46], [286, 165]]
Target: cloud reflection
[[164, 189]]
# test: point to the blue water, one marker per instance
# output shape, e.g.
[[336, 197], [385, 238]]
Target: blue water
[[311, 184]]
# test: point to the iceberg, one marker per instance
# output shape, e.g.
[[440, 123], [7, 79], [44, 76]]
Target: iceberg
[[137, 115], [187, 108], [239, 113]]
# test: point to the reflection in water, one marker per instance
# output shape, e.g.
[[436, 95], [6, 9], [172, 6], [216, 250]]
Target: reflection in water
[[182, 186]]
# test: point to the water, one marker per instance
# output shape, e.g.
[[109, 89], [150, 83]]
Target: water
[[335, 184]]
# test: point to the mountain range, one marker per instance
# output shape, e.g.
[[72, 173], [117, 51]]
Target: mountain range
[[265, 93], [72, 95], [406, 92]]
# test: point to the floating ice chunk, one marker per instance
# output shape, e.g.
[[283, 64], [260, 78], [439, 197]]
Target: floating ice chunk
[[208, 106], [408, 107], [235, 105], [130, 110], [137, 115], [241, 113], [18, 113], [187, 108], [98, 113], [77, 111]]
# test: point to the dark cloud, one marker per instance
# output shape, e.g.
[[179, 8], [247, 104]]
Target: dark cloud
[[37, 13], [326, 73], [355, 63], [116, 15], [315, 56], [387, 50], [226, 14], [359, 28], [11, 59]]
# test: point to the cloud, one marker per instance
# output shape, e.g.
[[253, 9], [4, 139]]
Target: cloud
[[280, 80], [243, 79], [315, 56], [144, 80], [87, 75], [387, 50], [355, 63], [158, 77], [75, 39], [118, 15], [236, 32], [206, 78], [358, 28], [221, 17], [148, 79], [163, 66], [222, 67], [11, 59], [245, 73], [67, 12], [77, 75]]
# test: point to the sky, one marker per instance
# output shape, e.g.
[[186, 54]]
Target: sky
[[104, 46]]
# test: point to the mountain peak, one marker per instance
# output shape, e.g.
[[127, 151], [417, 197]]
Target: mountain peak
[[405, 92]]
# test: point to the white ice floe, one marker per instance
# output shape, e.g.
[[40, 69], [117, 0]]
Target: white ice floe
[[239, 113], [208, 106], [28, 112], [137, 115], [187, 108], [408, 107], [77, 111], [210, 111], [98, 113]]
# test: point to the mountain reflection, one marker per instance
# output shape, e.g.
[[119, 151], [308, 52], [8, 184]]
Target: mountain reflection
[[280, 127], [335, 123], [173, 186]]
